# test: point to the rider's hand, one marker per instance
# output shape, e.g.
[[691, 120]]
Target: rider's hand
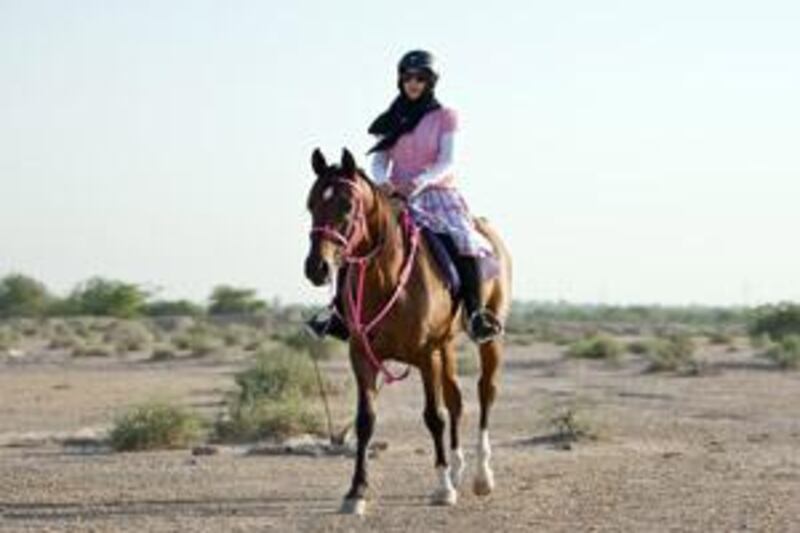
[[387, 188], [392, 191], [406, 188]]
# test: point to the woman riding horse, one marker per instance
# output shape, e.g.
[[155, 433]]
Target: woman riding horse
[[392, 300], [413, 159]]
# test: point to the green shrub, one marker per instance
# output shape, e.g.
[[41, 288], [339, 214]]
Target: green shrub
[[155, 425], [102, 297], [275, 374], [290, 415], [272, 398], [777, 321], [785, 353], [227, 300], [597, 346], [22, 296], [172, 308], [200, 339], [670, 354]]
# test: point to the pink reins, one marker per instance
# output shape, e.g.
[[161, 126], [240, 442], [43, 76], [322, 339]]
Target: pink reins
[[358, 326]]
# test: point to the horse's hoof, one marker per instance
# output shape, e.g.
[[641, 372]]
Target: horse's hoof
[[354, 506], [483, 485], [444, 497]]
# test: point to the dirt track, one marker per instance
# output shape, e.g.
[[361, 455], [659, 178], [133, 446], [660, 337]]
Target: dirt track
[[720, 452]]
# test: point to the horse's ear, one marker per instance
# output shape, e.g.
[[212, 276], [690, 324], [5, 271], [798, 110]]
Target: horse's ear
[[318, 162], [348, 163]]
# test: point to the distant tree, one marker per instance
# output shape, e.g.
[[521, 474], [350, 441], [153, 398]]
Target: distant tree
[[777, 321], [103, 297], [21, 295], [227, 300], [173, 308]]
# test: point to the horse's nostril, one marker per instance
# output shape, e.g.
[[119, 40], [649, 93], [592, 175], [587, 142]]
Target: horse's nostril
[[317, 270]]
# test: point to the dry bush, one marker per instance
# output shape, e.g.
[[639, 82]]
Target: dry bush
[[155, 425], [720, 337], [568, 423], [9, 337], [674, 353], [598, 346], [128, 336], [200, 340], [163, 353], [93, 350]]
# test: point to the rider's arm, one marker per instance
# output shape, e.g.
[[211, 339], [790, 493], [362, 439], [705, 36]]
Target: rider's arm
[[380, 167]]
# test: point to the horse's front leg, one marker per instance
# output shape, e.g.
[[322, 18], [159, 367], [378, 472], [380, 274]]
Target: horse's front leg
[[355, 500], [431, 370]]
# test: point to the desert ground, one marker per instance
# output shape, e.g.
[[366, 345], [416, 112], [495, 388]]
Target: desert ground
[[717, 451]]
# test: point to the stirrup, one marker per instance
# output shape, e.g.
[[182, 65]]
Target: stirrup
[[488, 319]]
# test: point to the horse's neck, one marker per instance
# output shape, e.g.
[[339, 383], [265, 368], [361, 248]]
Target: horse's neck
[[385, 232]]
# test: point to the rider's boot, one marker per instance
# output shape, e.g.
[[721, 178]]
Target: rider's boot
[[482, 325]]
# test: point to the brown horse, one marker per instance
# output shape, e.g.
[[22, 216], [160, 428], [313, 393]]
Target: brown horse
[[354, 219]]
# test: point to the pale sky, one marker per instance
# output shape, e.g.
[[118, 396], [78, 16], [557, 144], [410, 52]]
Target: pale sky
[[629, 152]]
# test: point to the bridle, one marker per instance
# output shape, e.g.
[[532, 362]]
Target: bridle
[[354, 284], [348, 239]]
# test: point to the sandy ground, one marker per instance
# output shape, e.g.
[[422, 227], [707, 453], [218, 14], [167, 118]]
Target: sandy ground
[[719, 452]]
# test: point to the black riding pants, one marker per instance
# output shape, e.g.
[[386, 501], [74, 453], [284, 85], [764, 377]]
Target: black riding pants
[[467, 267]]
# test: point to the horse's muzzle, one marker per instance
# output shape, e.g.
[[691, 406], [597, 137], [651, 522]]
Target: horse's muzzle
[[318, 271]]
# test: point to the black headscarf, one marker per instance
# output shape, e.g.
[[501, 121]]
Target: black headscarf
[[402, 117]]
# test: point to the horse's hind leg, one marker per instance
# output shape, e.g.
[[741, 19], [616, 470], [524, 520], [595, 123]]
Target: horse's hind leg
[[431, 370], [355, 500], [453, 402], [491, 354]]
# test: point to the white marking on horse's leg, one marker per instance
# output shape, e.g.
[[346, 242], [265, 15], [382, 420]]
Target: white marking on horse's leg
[[484, 477], [354, 506], [457, 465], [445, 493]]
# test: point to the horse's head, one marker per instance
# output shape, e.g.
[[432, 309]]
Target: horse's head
[[338, 206]]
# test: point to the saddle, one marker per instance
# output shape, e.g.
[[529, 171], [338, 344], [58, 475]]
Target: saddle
[[444, 262]]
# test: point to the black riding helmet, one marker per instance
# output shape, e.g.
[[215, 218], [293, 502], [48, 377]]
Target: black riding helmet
[[418, 60]]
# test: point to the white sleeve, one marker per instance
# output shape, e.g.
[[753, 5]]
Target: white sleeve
[[441, 168], [380, 167]]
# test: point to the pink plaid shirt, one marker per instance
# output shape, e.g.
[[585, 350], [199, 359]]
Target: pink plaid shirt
[[419, 163]]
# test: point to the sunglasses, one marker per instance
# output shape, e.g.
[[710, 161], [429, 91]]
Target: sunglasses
[[421, 77]]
